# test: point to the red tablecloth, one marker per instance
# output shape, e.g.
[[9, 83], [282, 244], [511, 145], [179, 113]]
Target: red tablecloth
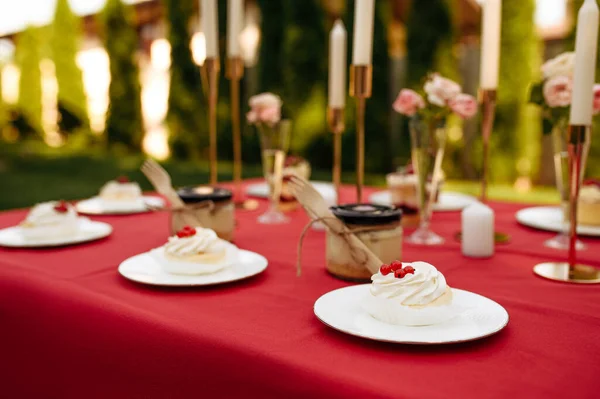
[[71, 327]]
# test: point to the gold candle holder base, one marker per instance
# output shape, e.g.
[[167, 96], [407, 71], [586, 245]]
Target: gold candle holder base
[[210, 80], [563, 272], [335, 119], [234, 71], [361, 79]]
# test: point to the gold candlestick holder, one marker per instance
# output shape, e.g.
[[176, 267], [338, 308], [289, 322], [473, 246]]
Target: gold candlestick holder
[[234, 71], [571, 271], [335, 119], [488, 110], [210, 80], [361, 79]]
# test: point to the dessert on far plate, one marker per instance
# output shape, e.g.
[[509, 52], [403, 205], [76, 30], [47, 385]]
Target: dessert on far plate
[[297, 166], [121, 190], [402, 186], [410, 294], [50, 219], [588, 207], [195, 251]]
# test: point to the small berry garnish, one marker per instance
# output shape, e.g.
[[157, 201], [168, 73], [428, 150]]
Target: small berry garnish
[[187, 231], [396, 265], [61, 207], [400, 273], [409, 269], [123, 179], [385, 269]]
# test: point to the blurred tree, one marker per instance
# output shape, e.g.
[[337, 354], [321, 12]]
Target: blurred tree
[[516, 140], [124, 125], [64, 44], [270, 58], [429, 40], [28, 118], [186, 118]]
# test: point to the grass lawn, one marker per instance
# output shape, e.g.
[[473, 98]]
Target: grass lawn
[[29, 176]]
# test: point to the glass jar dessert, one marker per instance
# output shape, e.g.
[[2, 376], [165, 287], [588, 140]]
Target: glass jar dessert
[[208, 207], [377, 226]]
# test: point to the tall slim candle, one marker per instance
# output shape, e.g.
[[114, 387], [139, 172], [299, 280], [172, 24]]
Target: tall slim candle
[[490, 43], [337, 65], [210, 27], [235, 22], [586, 47], [362, 50]]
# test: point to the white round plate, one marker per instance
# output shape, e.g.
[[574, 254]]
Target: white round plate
[[145, 269], [341, 310], [448, 201], [550, 218], [96, 206], [88, 231], [326, 189]]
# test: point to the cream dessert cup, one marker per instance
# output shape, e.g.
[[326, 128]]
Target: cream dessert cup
[[411, 294], [211, 207], [588, 206], [50, 219], [296, 166]]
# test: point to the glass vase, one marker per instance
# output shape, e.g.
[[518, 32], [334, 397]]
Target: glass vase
[[561, 174], [274, 143], [428, 140]]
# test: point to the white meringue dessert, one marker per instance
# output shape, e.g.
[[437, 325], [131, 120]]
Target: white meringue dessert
[[121, 191], [410, 294], [194, 251], [50, 219]]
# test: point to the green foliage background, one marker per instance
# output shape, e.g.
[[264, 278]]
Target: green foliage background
[[124, 127]]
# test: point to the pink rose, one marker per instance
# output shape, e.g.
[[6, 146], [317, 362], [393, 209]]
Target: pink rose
[[596, 99], [408, 102], [463, 105], [440, 90], [557, 91], [264, 108]]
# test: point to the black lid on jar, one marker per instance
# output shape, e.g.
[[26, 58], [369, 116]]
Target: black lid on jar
[[367, 214], [192, 195]]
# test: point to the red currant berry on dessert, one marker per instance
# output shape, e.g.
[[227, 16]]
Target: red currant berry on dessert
[[61, 207], [396, 265], [400, 273], [409, 269], [385, 269], [123, 179]]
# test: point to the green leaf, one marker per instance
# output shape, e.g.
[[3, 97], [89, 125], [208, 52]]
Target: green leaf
[[536, 94], [547, 126]]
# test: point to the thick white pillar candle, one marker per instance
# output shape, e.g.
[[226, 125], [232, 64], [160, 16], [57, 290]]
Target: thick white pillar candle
[[491, 18], [478, 231], [235, 24], [337, 65], [586, 47], [362, 50], [210, 27]]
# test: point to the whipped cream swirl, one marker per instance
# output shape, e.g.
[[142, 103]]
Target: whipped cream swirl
[[204, 241], [421, 288], [44, 214]]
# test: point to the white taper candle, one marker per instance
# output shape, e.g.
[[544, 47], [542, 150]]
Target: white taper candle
[[235, 24], [362, 50], [491, 18], [210, 27], [337, 65], [586, 48]]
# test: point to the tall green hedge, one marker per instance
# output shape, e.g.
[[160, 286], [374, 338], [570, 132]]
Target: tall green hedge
[[64, 44], [29, 105], [124, 125], [516, 138], [186, 118]]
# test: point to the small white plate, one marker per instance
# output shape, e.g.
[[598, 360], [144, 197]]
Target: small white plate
[[326, 189], [341, 310], [88, 231], [448, 201], [550, 218], [97, 206], [145, 269]]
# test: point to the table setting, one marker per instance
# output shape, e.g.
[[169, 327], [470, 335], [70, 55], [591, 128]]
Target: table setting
[[224, 289]]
